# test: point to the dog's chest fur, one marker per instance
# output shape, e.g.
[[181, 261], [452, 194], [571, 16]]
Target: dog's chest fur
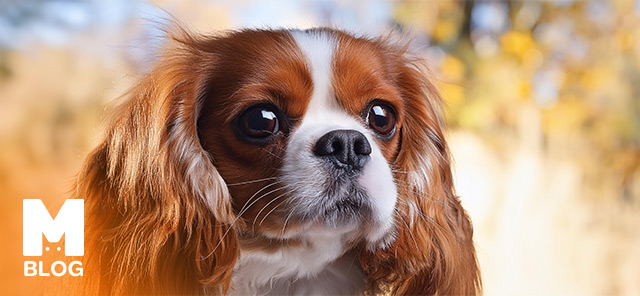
[[319, 267]]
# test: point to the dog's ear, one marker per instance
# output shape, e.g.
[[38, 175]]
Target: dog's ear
[[158, 212], [433, 252]]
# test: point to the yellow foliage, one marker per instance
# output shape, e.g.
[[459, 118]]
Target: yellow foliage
[[569, 114], [626, 40], [524, 89], [452, 68], [476, 114], [517, 43], [452, 94], [595, 77], [444, 30], [532, 59], [416, 14]]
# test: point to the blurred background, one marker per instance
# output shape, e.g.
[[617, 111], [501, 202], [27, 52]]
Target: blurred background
[[542, 100]]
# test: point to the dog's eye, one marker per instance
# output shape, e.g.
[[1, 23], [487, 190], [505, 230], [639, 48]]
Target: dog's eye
[[382, 119], [259, 122]]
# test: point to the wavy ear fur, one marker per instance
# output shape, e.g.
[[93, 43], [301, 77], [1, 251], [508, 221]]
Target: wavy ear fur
[[158, 212], [433, 253]]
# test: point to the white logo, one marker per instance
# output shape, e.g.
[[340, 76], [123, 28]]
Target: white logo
[[36, 221]]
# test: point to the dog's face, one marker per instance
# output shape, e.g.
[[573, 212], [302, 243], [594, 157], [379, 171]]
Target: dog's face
[[304, 126], [272, 141]]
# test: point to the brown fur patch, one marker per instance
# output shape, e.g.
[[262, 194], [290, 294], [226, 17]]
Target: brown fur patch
[[361, 75]]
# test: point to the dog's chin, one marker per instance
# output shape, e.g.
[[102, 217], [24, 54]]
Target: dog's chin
[[349, 207], [345, 209]]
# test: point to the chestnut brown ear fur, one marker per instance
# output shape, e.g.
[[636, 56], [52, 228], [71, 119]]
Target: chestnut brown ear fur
[[158, 214], [433, 253]]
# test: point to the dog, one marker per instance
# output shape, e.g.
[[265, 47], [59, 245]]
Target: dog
[[277, 162]]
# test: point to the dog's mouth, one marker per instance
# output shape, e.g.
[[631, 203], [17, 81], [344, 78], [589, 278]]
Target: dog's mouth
[[342, 203], [352, 205]]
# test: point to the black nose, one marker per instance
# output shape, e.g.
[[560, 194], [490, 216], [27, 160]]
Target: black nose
[[348, 148]]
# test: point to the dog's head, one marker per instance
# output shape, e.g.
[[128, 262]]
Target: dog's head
[[252, 138], [304, 127]]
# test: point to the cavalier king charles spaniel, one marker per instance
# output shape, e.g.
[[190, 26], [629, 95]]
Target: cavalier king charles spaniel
[[277, 162]]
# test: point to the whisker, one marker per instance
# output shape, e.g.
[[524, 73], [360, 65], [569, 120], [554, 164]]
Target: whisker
[[252, 181], [411, 187], [285, 223], [408, 189], [256, 193], [269, 213], [409, 229], [280, 148], [443, 229], [420, 213], [423, 216], [259, 198], [223, 236], [272, 154], [242, 211], [266, 205]]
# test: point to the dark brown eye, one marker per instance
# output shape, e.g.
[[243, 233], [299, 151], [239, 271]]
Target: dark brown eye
[[259, 122], [382, 119]]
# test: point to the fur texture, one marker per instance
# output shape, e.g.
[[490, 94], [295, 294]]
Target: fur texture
[[171, 193]]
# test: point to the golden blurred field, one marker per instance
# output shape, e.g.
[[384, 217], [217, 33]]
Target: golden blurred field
[[543, 105]]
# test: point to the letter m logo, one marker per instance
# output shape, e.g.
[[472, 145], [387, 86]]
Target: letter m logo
[[36, 221]]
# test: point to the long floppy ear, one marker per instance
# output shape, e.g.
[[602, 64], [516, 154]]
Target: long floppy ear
[[433, 252], [158, 213]]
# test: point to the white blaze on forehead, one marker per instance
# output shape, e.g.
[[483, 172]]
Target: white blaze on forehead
[[318, 49]]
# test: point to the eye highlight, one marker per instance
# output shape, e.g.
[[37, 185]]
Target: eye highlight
[[381, 118], [259, 123]]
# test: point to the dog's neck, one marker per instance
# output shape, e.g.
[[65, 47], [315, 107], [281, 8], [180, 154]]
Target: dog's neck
[[323, 264]]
